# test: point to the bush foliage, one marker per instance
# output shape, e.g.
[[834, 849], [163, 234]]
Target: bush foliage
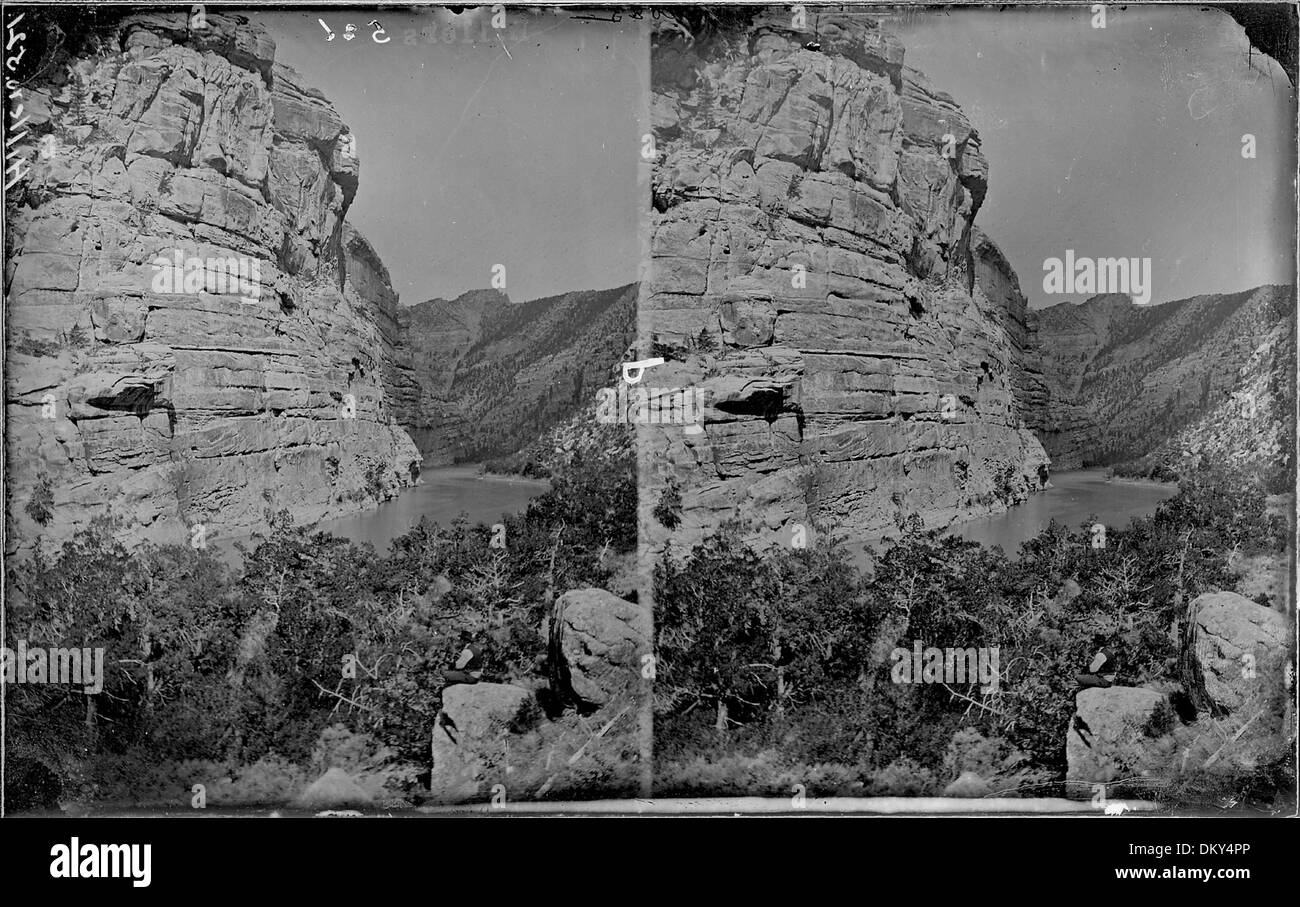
[[773, 666], [221, 666], [789, 650]]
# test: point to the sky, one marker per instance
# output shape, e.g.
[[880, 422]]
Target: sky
[[1123, 141], [520, 150]]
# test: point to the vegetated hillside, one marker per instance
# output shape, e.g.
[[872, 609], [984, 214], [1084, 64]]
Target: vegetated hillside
[[1126, 380], [1252, 431], [435, 335], [495, 376]]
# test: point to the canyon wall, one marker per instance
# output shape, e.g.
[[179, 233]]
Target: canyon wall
[[1206, 375], [866, 352], [203, 400], [492, 376], [436, 335]]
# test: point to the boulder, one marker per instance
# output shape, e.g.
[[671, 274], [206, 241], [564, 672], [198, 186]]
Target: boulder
[[604, 638], [335, 789], [469, 737], [1119, 733], [1240, 646], [1241, 650]]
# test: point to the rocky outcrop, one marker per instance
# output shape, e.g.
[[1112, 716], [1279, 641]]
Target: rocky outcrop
[[815, 270], [494, 739], [1166, 384], [1238, 642], [604, 638], [469, 738], [1241, 653], [1000, 284], [195, 333], [491, 376], [1119, 733]]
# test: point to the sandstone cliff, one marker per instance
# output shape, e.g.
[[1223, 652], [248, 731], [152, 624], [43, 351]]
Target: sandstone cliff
[[865, 351], [207, 401], [492, 376], [1210, 375]]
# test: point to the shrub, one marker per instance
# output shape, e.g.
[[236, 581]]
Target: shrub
[[246, 667], [374, 480], [971, 751], [904, 777], [791, 648], [669, 509], [40, 506], [31, 346]]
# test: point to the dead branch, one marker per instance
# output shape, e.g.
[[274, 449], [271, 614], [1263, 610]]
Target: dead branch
[[363, 707], [974, 702], [1235, 737]]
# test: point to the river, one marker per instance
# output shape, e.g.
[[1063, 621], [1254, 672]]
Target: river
[[442, 495], [1074, 496]]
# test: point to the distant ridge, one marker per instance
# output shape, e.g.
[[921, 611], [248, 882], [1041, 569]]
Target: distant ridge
[[1147, 387], [492, 376]]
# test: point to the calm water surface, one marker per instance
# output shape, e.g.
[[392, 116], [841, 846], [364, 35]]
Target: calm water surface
[[444, 493], [1075, 496]]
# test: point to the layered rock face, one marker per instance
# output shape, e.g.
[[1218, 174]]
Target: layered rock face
[[866, 353], [1208, 375], [195, 334], [491, 376]]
